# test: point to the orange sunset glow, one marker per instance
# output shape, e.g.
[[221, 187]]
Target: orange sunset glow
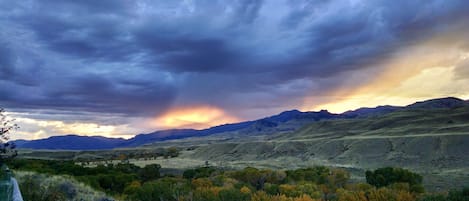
[[422, 71], [197, 117]]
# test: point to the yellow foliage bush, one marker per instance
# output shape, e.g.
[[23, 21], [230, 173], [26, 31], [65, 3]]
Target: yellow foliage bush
[[288, 190], [280, 198], [404, 196], [346, 195], [229, 182], [245, 190], [359, 187], [303, 197], [260, 196], [389, 194], [202, 183]]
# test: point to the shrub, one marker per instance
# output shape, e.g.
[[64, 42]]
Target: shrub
[[389, 175], [232, 195], [170, 189], [198, 172], [316, 174], [42, 187], [271, 189], [149, 172]]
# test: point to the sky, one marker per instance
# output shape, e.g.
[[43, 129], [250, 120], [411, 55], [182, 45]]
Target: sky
[[118, 67]]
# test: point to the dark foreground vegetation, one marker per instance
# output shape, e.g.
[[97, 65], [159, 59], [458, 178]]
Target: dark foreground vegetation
[[126, 181]]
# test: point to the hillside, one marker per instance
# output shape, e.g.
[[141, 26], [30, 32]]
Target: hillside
[[284, 123], [71, 142], [409, 133], [431, 140]]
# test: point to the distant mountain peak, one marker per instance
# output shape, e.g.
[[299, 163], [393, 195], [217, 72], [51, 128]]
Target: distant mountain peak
[[323, 111], [289, 112], [368, 111], [446, 99], [448, 102]]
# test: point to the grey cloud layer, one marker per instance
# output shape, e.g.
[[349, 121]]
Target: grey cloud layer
[[141, 57]]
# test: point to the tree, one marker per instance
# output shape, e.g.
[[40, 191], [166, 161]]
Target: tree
[[389, 175], [257, 178], [149, 172], [173, 152], [199, 172], [7, 125], [168, 189], [318, 174], [232, 194], [461, 195]]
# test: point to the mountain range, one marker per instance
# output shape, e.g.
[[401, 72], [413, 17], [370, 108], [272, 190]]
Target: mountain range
[[285, 122]]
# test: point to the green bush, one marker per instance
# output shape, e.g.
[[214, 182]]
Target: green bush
[[168, 189], [271, 189], [389, 175], [316, 175], [198, 172], [461, 195], [42, 187], [110, 178], [232, 195], [129, 182]]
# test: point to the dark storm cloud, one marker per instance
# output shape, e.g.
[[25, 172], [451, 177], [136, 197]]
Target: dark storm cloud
[[89, 6], [90, 37], [94, 93], [141, 57], [201, 56], [356, 38], [185, 54], [7, 61]]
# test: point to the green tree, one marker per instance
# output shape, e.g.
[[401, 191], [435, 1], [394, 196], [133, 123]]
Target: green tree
[[232, 194], [7, 125], [198, 172], [390, 175], [257, 178], [318, 174], [461, 195], [168, 189], [173, 152], [149, 172]]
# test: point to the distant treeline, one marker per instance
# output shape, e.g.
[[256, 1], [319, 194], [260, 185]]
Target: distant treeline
[[104, 155], [126, 181]]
